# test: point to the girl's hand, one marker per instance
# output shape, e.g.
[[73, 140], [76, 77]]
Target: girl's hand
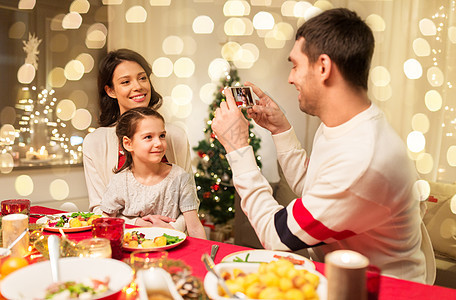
[[157, 221]]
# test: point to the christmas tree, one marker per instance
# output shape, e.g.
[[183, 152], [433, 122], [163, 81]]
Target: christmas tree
[[213, 177]]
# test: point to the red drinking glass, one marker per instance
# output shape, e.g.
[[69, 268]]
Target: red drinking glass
[[15, 206], [113, 230], [373, 282]]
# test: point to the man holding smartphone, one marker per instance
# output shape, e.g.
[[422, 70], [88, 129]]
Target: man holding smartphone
[[356, 186]]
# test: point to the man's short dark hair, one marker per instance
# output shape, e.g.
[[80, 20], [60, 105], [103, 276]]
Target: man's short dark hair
[[345, 38]]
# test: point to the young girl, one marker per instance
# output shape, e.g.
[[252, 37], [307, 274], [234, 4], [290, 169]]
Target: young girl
[[124, 83], [145, 186]]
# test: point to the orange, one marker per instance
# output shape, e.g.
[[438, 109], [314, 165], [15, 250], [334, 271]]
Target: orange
[[11, 264]]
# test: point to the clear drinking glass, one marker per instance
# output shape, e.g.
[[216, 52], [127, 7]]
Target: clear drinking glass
[[95, 247]]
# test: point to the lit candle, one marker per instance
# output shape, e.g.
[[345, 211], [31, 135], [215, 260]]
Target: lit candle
[[346, 274]]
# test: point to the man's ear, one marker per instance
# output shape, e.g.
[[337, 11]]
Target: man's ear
[[324, 66], [110, 92], [126, 141]]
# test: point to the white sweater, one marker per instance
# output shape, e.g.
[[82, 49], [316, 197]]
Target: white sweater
[[356, 193], [101, 155]]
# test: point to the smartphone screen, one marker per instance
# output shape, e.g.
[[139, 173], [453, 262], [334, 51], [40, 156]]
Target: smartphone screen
[[243, 95]]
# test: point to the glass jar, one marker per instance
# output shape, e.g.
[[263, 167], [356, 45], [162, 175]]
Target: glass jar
[[95, 247]]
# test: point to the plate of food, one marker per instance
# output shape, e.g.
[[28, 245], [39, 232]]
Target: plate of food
[[262, 281], [68, 222], [152, 238], [256, 256], [98, 277]]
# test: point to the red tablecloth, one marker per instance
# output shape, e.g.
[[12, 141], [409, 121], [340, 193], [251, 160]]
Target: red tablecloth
[[191, 250]]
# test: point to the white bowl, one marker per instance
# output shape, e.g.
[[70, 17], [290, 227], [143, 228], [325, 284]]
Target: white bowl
[[210, 281], [30, 282]]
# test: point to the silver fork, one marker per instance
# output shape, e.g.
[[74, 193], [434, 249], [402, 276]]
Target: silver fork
[[214, 250], [209, 263]]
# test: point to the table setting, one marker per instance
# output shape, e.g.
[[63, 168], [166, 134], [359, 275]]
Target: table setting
[[158, 263]]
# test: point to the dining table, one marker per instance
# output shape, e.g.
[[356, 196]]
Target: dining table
[[192, 249]]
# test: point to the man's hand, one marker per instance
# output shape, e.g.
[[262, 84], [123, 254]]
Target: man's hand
[[155, 221], [229, 125], [267, 113]]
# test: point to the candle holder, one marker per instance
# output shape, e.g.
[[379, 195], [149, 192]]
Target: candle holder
[[12, 226]]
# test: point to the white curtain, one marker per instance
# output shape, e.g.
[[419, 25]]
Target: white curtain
[[410, 34]]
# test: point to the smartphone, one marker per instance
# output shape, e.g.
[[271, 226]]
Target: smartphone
[[243, 95]]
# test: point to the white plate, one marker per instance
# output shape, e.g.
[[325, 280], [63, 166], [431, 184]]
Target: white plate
[[153, 232], [211, 284], [44, 221], [30, 282], [267, 256]]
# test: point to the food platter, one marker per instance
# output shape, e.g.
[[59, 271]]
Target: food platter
[[30, 282], [52, 218], [211, 282], [153, 232], [261, 255]]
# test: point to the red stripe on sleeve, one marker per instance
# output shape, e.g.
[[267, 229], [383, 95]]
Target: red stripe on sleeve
[[315, 228]]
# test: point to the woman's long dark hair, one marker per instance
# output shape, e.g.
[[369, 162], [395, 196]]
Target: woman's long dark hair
[[127, 125], [109, 107]]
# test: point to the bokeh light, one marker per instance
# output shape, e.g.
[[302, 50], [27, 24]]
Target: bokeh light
[[427, 27], [453, 204], [182, 94], [283, 31], [271, 41], [421, 190], [416, 141], [80, 6], [323, 4], [376, 22], [56, 23], [207, 92], [229, 50], [380, 76], [413, 69], [452, 34], [433, 100], [451, 156], [59, 189], [420, 122], [173, 45], [96, 36], [81, 119], [56, 78], [24, 185], [263, 20], [424, 163], [162, 67], [382, 93], [66, 109], [7, 134], [112, 2], [244, 59], [17, 30], [79, 98], [435, 76], [26, 4], [184, 67], [190, 46], [300, 8], [74, 70], [181, 111], [236, 8], [287, 8], [218, 68], [26, 73], [203, 25], [160, 2], [238, 27], [87, 61], [72, 20], [6, 163], [421, 47], [136, 14]]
